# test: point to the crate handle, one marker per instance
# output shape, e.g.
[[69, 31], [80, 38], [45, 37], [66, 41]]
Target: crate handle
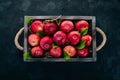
[[17, 38], [104, 38], [97, 29]]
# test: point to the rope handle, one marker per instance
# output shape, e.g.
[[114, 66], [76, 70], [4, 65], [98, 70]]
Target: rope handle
[[97, 29], [17, 38], [103, 37]]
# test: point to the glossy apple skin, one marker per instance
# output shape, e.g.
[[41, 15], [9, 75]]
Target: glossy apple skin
[[46, 43], [36, 26], [60, 38], [67, 26], [36, 51], [70, 50], [33, 39], [81, 24], [83, 52], [74, 37], [56, 52], [50, 28], [88, 39]]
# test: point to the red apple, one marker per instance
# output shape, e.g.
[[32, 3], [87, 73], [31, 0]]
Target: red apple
[[37, 26], [82, 24], [88, 39], [33, 39], [67, 26], [50, 28], [70, 50], [82, 52], [56, 52], [60, 38], [36, 51], [46, 43], [74, 37]]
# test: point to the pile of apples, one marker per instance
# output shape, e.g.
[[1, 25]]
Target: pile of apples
[[58, 39]]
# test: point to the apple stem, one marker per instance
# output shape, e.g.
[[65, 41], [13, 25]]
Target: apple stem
[[57, 18], [53, 19]]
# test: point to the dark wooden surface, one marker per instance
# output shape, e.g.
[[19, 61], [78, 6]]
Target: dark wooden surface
[[12, 14]]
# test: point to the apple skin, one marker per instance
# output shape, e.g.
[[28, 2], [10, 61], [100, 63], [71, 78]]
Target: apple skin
[[37, 26], [33, 39], [81, 24], [88, 39], [67, 26], [50, 28], [46, 43], [56, 52], [60, 38], [74, 37], [70, 50], [36, 51], [83, 52]]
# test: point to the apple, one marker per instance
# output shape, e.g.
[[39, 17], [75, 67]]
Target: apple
[[70, 50], [50, 28], [60, 38], [36, 51], [82, 52], [74, 37], [56, 52], [33, 39], [67, 26], [82, 24], [36, 26], [88, 39], [46, 43]]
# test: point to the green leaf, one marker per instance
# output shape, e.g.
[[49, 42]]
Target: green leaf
[[58, 22], [28, 20], [54, 45], [49, 20], [81, 45], [84, 31], [42, 34], [66, 56], [27, 55]]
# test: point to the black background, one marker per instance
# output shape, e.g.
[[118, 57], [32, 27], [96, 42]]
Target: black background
[[107, 66]]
